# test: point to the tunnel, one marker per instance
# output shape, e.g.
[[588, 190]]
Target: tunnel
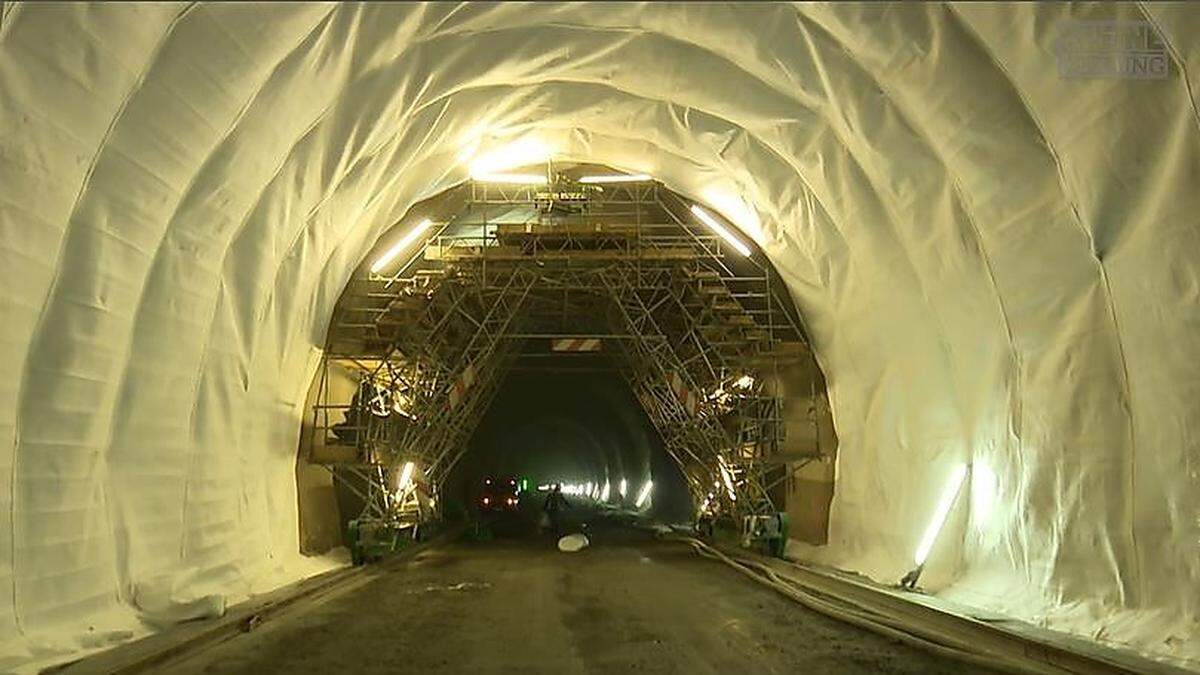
[[874, 317]]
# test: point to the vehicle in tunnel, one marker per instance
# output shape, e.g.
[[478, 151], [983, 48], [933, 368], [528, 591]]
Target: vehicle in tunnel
[[499, 494]]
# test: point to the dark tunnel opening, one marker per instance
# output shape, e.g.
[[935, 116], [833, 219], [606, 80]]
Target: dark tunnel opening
[[557, 423]]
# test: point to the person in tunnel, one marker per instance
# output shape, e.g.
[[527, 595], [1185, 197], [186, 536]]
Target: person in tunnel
[[346, 431], [553, 507]]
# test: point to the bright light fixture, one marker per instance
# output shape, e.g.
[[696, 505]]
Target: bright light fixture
[[406, 475], [513, 178], [616, 178], [400, 245], [706, 218], [949, 493], [604, 492], [622, 488], [527, 151], [644, 494]]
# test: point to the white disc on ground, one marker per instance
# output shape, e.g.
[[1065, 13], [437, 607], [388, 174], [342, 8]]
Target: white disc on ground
[[573, 542]]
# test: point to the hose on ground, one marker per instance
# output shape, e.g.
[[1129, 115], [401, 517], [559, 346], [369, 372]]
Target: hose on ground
[[864, 617]]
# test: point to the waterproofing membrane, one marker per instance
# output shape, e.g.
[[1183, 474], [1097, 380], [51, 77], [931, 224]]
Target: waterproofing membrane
[[996, 263]]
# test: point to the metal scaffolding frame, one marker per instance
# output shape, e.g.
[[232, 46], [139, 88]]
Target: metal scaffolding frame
[[697, 331]]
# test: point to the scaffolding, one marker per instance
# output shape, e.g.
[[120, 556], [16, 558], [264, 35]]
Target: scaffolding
[[697, 330]]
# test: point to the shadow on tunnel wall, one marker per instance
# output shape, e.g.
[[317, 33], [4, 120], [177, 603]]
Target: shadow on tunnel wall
[[553, 425]]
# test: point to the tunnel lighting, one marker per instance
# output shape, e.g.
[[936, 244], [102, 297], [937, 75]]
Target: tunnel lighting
[[984, 486], [949, 493], [604, 492], [727, 476], [720, 229], [622, 488], [406, 475], [400, 245], [522, 152], [616, 178], [511, 178], [400, 404], [644, 493]]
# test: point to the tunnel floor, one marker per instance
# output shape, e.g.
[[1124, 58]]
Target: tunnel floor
[[517, 604]]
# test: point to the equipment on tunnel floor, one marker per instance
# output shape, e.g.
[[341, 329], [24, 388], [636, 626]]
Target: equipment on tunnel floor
[[371, 541], [573, 543], [767, 533]]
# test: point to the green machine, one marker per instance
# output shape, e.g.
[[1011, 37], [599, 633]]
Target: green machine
[[768, 534], [370, 541]]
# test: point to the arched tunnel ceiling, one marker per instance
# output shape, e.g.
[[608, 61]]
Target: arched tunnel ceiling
[[996, 264]]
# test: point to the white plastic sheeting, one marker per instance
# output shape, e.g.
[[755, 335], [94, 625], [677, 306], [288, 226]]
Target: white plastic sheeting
[[998, 266]]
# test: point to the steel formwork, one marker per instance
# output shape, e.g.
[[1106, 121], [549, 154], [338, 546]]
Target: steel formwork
[[697, 331]]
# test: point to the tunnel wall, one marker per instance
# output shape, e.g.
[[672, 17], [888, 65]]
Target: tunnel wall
[[997, 265]]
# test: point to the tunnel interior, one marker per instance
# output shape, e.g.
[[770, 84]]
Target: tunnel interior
[[994, 254]]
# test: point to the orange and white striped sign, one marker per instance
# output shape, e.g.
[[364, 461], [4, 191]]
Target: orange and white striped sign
[[575, 345], [689, 400], [462, 383]]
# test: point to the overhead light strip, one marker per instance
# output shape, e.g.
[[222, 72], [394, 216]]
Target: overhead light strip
[[400, 245], [706, 218], [617, 178]]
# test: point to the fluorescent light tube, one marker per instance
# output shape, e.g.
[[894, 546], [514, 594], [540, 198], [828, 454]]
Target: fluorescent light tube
[[400, 245], [706, 218], [617, 178], [644, 494], [949, 493]]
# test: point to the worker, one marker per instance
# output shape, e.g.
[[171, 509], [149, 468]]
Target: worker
[[555, 504], [347, 430]]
